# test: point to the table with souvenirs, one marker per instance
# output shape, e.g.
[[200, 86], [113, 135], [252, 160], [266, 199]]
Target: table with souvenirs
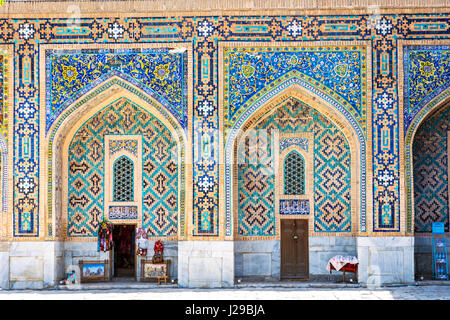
[[157, 268]]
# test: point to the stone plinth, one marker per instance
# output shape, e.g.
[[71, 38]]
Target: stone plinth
[[35, 265], [259, 259], [206, 264], [4, 265], [385, 260]]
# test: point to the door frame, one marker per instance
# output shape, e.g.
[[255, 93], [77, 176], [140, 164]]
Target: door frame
[[135, 225], [307, 152], [307, 274]]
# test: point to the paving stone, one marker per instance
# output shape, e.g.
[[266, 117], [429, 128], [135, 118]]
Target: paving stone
[[169, 292]]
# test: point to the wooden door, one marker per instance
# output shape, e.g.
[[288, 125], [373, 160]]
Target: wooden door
[[294, 249]]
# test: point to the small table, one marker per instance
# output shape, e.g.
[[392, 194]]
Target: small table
[[349, 267], [344, 264]]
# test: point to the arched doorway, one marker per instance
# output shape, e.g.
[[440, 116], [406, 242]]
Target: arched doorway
[[115, 118], [142, 156], [294, 186], [430, 150], [122, 167]]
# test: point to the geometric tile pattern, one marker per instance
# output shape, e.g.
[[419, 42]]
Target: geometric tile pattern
[[123, 185], [3, 130], [430, 161], [272, 92], [332, 178], [256, 185], [294, 174], [204, 34], [86, 170], [426, 85], [3, 94]]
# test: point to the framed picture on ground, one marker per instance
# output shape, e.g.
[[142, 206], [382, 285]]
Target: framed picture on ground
[[151, 271], [94, 271]]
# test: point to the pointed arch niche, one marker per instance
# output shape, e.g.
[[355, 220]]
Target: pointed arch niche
[[424, 156], [410, 123], [265, 107], [427, 150], [54, 180]]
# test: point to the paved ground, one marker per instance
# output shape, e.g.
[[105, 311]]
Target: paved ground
[[428, 292]]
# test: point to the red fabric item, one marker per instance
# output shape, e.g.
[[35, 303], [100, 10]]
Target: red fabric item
[[349, 267], [159, 247], [105, 237]]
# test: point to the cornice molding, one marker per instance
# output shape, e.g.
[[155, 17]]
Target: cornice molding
[[60, 9]]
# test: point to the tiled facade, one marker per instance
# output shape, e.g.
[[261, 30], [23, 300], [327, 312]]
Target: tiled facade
[[192, 80], [87, 168]]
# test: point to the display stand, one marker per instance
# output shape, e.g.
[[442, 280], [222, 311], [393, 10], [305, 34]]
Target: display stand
[[94, 271], [440, 264], [155, 271]]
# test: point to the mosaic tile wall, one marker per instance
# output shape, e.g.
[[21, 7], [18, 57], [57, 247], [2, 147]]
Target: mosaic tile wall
[[204, 34], [335, 73], [256, 184], [332, 177], [339, 70], [3, 128], [3, 93], [86, 171], [430, 152], [427, 70], [159, 72], [294, 173]]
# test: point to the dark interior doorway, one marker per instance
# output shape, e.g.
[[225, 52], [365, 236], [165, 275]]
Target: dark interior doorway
[[124, 249]]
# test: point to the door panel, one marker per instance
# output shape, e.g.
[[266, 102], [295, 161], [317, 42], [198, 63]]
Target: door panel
[[294, 249]]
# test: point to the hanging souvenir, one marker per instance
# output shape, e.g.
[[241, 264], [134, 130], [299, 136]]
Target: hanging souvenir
[[105, 236], [158, 252], [141, 241]]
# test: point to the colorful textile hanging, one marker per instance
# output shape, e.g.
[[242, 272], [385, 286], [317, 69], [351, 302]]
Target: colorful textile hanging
[[158, 249], [141, 241], [105, 236]]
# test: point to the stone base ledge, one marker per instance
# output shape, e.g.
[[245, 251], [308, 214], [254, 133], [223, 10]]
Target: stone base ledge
[[206, 264], [22, 285], [31, 264], [385, 260]]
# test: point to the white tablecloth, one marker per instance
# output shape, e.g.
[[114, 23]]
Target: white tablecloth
[[339, 261]]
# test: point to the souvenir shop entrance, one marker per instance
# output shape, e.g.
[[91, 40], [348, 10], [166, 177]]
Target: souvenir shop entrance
[[123, 252]]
